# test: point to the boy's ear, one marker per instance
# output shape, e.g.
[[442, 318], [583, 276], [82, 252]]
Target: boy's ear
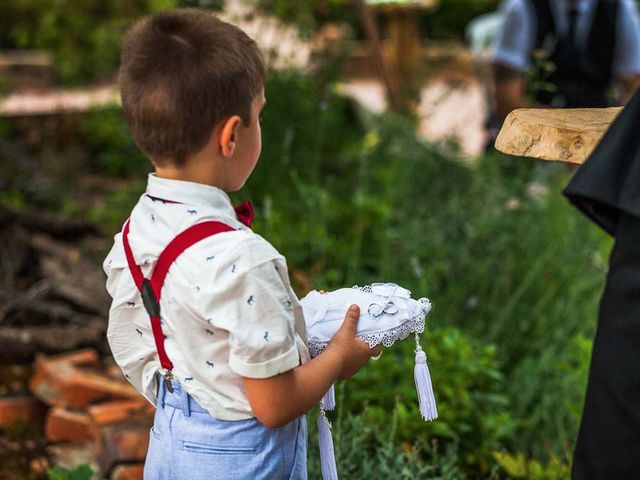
[[229, 136]]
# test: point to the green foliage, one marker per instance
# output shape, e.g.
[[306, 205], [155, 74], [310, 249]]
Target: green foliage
[[112, 149], [518, 466], [12, 198], [452, 16], [448, 21], [538, 75], [84, 36], [366, 450], [474, 412], [309, 14], [110, 214], [83, 472]]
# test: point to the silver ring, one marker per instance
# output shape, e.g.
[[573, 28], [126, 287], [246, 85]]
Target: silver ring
[[377, 310], [390, 309]]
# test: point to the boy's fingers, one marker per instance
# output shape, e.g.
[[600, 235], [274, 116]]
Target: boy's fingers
[[351, 319], [375, 352]]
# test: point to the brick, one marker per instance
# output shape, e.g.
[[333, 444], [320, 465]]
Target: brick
[[64, 425], [121, 411], [21, 408], [123, 428], [128, 472], [73, 380], [86, 357], [122, 443]]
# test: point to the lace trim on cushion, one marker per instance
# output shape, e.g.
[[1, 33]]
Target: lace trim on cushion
[[385, 290], [366, 288], [387, 337]]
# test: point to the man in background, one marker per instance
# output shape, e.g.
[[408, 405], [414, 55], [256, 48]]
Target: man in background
[[566, 54]]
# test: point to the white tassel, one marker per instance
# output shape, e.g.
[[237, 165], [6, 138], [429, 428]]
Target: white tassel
[[327, 455], [328, 402], [426, 397]]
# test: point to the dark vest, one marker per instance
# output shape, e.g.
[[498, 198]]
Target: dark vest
[[581, 76]]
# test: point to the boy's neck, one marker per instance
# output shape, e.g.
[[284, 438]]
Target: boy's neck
[[198, 169]]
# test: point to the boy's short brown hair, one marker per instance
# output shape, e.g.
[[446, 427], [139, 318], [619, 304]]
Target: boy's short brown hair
[[181, 72]]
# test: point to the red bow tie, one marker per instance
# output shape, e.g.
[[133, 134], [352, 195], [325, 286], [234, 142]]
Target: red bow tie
[[245, 213]]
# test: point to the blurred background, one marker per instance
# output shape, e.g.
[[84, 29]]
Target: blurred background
[[375, 167]]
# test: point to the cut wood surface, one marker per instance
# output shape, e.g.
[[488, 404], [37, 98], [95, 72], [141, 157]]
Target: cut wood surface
[[564, 135]]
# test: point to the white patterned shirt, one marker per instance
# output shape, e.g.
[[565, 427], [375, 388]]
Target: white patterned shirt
[[227, 306]]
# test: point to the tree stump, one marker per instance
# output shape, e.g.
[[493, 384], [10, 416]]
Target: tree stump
[[565, 135]]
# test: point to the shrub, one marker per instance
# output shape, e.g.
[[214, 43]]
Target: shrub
[[474, 412]]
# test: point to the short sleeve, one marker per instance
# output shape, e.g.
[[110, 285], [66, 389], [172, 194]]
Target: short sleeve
[[516, 40], [253, 304], [626, 61]]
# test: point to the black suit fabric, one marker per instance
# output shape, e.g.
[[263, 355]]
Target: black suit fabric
[[607, 189]]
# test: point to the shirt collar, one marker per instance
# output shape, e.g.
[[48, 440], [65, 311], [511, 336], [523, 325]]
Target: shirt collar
[[190, 193]]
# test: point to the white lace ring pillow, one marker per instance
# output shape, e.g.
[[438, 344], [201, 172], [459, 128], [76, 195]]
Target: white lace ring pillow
[[387, 314]]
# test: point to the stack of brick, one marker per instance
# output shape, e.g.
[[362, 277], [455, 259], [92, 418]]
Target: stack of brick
[[94, 417]]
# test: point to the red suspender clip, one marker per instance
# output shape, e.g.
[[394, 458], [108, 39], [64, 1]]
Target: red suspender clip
[[151, 288], [149, 300]]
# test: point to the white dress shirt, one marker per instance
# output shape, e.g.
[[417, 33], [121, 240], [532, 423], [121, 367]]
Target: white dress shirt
[[517, 39], [227, 306]]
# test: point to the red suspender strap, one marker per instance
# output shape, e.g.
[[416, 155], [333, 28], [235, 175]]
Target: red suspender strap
[[135, 270], [151, 289]]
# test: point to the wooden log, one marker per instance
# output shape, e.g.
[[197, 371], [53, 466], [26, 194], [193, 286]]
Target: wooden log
[[23, 342], [564, 135], [406, 5], [25, 58], [58, 101], [71, 276]]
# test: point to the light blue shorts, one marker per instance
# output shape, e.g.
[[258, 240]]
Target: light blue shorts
[[187, 443]]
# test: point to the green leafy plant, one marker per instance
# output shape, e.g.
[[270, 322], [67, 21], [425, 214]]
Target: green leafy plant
[[518, 466], [538, 75], [111, 148], [82, 472], [84, 36], [473, 409], [366, 450]]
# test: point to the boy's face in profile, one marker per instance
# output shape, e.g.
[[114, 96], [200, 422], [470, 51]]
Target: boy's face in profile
[[249, 145]]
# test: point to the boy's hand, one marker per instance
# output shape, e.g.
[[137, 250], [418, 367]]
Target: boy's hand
[[277, 400], [354, 352]]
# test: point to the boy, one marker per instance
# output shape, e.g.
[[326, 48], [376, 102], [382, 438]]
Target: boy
[[219, 344]]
